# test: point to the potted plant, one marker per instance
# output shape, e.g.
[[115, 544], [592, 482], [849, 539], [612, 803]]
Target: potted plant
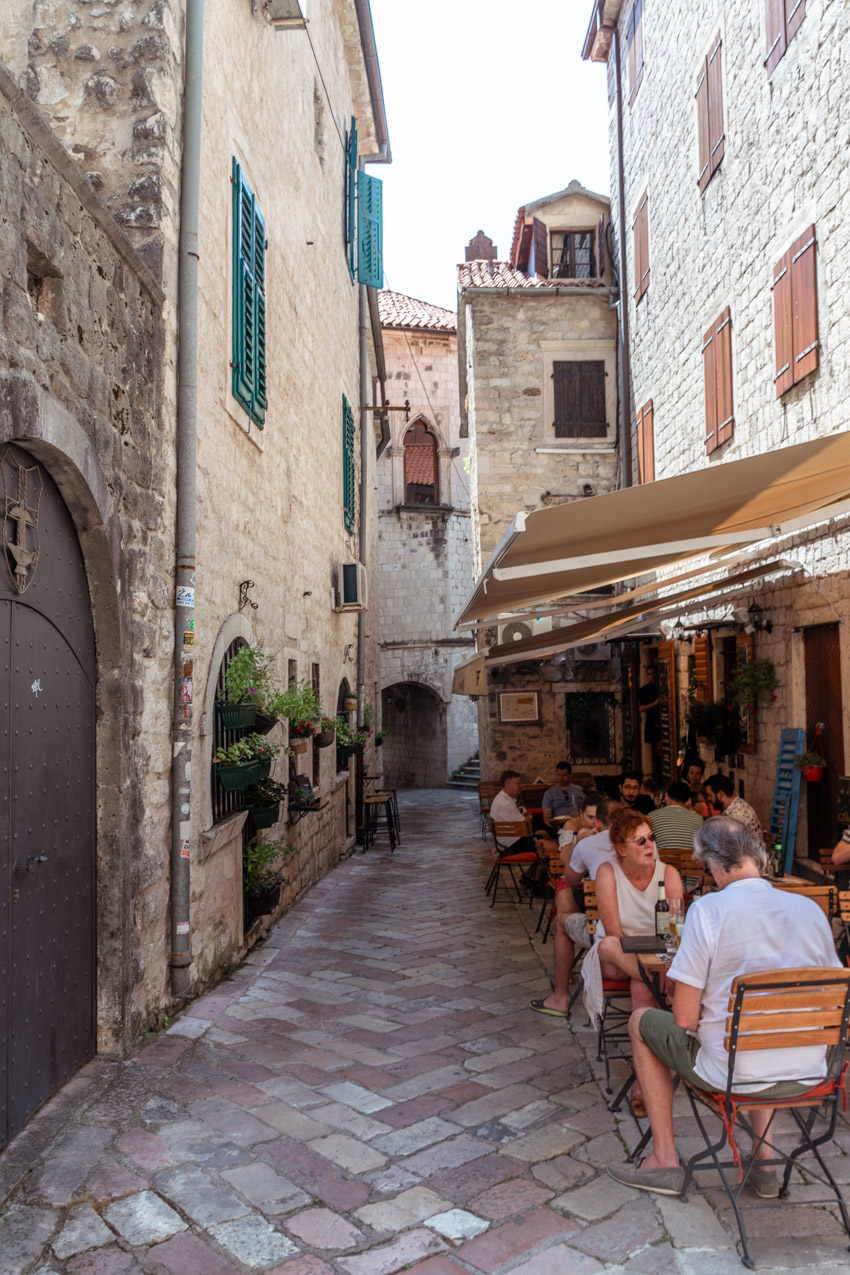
[[380, 736], [246, 685], [812, 765], [326, 733], [754, 682], [348, 740], [263, 802], [261, 875], [263, 751], [349, 704], [235, 768]]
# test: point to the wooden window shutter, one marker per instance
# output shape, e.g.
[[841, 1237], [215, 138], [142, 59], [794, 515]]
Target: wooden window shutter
[[349, 477], [630, 55], [709, 368], [370, 233], [579, 394], [641, 248], [775, 30], [784, 376], [702, 668], [723, 372], [600, 248], [540, 239], [804, 308], [351, 198], [704, 143], [248, 362], [634, 40], [646, 444], [795, 11], [716, 135]]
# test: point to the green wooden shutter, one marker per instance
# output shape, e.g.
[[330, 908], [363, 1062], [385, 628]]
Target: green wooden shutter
[[349, 503], [249, 300], [351, 197], [370, 236]]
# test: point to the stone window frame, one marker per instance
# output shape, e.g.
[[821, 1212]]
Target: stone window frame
[[567, 351], [592, 231]]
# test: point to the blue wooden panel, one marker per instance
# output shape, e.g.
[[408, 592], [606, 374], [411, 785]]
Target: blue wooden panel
[[786, 791]]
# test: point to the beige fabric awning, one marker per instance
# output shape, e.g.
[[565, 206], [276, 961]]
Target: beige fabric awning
[[582, 545], [570, 636], [469, 678]]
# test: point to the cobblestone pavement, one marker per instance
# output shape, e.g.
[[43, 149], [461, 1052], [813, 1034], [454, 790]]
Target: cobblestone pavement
[[370, 1093]]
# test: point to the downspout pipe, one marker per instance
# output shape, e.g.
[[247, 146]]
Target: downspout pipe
[[363, 544], [623, 311], [187, 409]]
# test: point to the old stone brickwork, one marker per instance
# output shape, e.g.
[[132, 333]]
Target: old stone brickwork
[[513, 326], [425, 554], [81, 370], [783, 169]]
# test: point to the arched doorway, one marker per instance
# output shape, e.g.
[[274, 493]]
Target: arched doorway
[[414, 754], [47, 758]]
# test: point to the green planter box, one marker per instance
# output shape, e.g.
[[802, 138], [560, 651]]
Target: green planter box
[[235, 716], [237, 776], [265, 816]]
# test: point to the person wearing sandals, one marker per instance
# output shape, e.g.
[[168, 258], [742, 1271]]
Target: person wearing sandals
[[626, 895], [746, 927]]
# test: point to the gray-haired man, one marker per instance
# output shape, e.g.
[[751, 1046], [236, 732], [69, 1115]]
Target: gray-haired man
[[744, 928]]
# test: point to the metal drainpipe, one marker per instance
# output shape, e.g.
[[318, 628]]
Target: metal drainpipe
[[187, 404], [623, 311], [362, 547]]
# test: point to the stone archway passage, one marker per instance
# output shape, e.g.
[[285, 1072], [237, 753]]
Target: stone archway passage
[[47, 847], [415, 749]]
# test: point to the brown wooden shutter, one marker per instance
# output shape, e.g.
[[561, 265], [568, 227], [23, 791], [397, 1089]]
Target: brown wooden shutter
[[600, 248], [646, 444], [795, 12], [784, 377], [593, 423], [567, 387], [804, 305], [702, 668], [631, 75], [638, 42], [703, 137], [723, 371], [579, 393], [540, 236], [775, 28], [641, 246], [709, 369], [714, 65]]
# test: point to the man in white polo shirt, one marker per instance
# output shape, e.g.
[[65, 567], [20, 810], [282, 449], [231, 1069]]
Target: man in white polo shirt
[[745, 928]]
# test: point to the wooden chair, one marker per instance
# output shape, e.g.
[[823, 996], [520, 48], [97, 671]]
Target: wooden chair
[[778, 1010], [487, 790], [843, 914], [507, 832], [613, 1031], [556, 871], [532, 794], [689, 869], [825, 896]]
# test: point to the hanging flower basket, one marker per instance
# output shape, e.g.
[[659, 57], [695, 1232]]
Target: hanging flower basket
[[298, 745], [235, 777], [234, 716], [324, 739], [262, 904], [265, 816], [264, 768], [263, 723], [350, 704], [813, 774]]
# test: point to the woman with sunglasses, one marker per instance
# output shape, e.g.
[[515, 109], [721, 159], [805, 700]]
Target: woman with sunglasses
[[626, 895]]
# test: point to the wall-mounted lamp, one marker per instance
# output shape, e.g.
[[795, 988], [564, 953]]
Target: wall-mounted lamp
[[757, 620]]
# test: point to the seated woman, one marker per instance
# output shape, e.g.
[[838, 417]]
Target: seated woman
[[579, 826], [626, 895]]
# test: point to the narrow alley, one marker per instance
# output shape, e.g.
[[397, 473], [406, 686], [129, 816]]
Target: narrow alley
[[369, 1093]]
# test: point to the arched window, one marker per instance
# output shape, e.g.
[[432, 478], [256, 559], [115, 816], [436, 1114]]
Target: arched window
[[421, 486]]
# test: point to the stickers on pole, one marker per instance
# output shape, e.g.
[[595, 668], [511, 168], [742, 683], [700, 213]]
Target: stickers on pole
[[185, 595]]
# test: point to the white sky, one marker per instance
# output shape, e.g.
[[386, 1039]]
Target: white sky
[[489, 106]]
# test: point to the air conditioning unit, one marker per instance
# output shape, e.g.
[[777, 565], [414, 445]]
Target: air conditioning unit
[[593, 651], [283, 14], [517, 630], [351, 587]]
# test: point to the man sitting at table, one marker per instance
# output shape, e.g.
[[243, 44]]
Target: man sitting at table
[[569, 926], [675, 823], [723, 788], [631, 795], [564, 798], [746, 927], [507, 807]]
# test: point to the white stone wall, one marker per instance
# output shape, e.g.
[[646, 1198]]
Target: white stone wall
[[784, 167]]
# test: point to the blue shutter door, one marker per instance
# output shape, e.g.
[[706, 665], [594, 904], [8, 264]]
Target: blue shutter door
[[243, 289], [370, 241], [259, 401], [348, 476]]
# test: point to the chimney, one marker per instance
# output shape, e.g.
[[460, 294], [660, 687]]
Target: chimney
[[481, 248]]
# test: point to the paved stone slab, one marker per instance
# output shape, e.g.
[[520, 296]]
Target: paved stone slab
[[614, 1240], [144, 1218], [544, 1144], [253, 1242], [509, 1198], [457, 1224], [322, 1228], [357, 1097], [424, 1133], [263, 1187], [309, 1264], [194, 1192], [71, 1160], [189, 1255], [194, 1140], [597, 1199], [345, 1119], [105, 1261], [562, 1260], [513, 1240], [23, 1234], [289, 1120], [394, 1256], [406, 1209], [352, 1155], [83, 1230]]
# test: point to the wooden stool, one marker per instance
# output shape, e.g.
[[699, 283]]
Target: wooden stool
[[378, 814]]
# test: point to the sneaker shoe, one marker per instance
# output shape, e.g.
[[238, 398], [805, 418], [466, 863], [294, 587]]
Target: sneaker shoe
[[764, 1182], [661, 1181]]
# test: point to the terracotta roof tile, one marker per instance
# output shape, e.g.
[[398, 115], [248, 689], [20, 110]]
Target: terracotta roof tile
[[419, 465], [477, 274], [398, 311]]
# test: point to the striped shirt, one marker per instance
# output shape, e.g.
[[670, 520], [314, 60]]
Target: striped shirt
[[674, 827]]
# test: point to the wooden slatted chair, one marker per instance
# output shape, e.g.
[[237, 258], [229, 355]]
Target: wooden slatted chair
[[825, 896], [487, 790], [613, 1031], [843, 913], [778, 1010], [689, 869], [505, 832]]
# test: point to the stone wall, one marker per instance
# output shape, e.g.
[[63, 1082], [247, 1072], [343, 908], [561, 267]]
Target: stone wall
[[81, 353], [783, 168]]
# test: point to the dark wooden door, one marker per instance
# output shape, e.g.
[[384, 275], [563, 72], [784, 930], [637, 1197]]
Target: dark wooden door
[[47, 852], [823, 704], [665, 653]]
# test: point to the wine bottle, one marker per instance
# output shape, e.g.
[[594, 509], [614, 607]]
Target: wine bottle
[[662, 912], [778, 860]]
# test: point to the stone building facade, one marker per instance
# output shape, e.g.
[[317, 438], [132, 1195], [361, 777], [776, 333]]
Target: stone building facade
[[90, 262], [734, 190], [425, 548], [529, 330]]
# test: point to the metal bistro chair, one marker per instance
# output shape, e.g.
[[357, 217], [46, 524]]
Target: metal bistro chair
[[613, 1031], [825, 896], [378, 811], [487, 790], [507, 831], [779, 1009]]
